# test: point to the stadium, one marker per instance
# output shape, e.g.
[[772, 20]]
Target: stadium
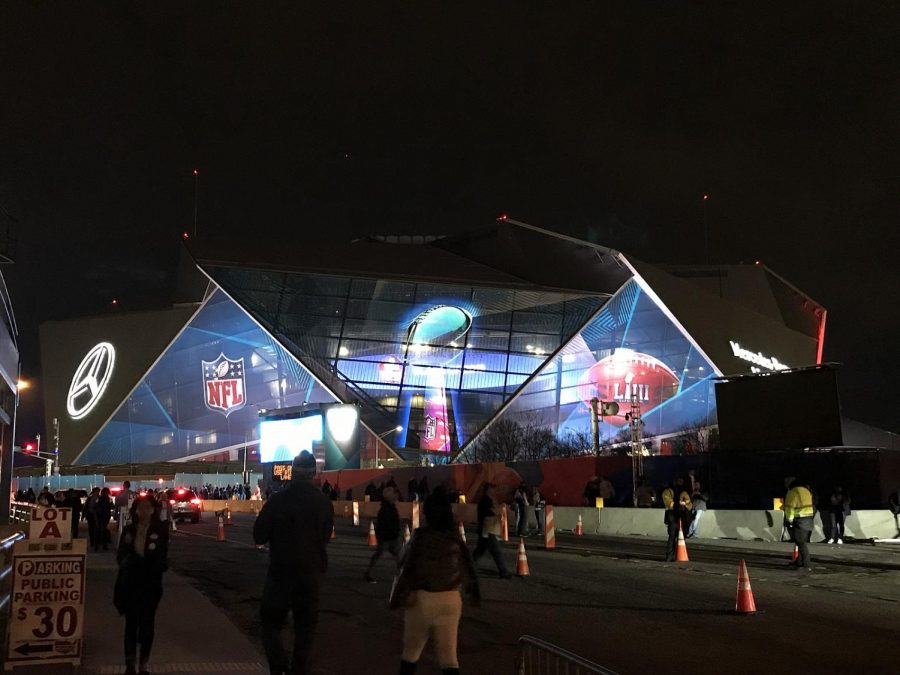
[[435, 339]]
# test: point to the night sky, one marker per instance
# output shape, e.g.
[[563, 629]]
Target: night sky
[[601, 121]]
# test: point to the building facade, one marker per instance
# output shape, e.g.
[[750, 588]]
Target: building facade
[[434, 339]]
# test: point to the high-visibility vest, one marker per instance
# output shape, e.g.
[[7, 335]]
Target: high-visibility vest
[[798, 503]]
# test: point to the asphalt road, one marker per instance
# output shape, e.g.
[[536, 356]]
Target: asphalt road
[[610, 601]]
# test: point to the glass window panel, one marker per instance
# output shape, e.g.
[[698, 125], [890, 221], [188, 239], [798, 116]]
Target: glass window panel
[[481, 379], [533, 343], [519, 363], [535, 322]]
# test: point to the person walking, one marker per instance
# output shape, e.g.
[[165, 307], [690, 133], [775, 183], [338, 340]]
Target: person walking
[[387, 531], [296, 523], [489, 529], [103, 516], [840, 509], [799, 512], [142, 557], [436, 567], [90, 515], [520, 499], [677, 503]]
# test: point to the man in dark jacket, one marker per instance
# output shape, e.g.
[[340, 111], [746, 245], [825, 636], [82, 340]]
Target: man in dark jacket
[[296, 523], [387, 531]]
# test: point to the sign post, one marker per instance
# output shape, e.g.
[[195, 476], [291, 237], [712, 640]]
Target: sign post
[[46, 624]]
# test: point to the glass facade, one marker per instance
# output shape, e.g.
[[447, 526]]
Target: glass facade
[[630, 348], [204, 392], [436, 360]]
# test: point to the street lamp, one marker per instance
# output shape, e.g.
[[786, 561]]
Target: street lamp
[[396, 430]]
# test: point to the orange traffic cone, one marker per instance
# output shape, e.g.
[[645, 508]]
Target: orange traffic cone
[[795, 556], [333, 532], [522, 563], [373, 540], [220, 530], [745, 604], [462, 531], [681, 551], [406, 534], [579, 527], [228, 516]]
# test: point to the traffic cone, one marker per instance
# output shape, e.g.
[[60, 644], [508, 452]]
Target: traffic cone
[[745, 604], [579, 527], [333, 532], [522, 563], [681, 551], [462, 531], [373, 540], [406, 534], [795, 556], [220, 530], [228, 516]]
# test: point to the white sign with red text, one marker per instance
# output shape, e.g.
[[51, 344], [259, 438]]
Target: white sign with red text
[[50, 524]]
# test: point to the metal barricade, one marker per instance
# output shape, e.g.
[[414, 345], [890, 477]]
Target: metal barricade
[[6, 552], [537, 657], [20, 513]]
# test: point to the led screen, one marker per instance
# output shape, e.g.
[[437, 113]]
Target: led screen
[[630, 349], [282, 440]]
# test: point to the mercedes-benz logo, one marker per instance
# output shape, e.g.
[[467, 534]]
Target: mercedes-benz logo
[[90, 380]]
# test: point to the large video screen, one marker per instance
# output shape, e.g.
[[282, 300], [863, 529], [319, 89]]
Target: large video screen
[[282, 440], [780, 411]]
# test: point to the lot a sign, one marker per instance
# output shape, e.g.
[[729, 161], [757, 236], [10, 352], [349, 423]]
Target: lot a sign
[[50, 524]]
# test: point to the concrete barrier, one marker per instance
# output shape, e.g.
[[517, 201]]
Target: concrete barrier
[[715, 523], [236, 506]]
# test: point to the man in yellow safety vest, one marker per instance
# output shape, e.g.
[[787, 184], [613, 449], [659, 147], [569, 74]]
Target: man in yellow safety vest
[[799, 512]]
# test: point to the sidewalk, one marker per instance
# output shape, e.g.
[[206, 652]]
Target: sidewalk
[[859, 553], [192, 635]]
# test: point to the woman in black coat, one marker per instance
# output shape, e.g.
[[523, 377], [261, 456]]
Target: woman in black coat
[[102, 516], [143, 550]]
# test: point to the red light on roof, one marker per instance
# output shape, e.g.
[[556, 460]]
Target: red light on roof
[[503, 217], [185, 235], [114, 302], [196, 172], [29, 447], [705, 198], [181, 491], [758, 262]]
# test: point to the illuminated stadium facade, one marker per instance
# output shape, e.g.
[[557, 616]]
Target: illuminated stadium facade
[[437, 337]]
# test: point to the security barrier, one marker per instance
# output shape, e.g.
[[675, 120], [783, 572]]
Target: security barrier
[[6, 551], [537, 657]]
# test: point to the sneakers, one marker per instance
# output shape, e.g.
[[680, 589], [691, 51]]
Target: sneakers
[[830, 541], [840, 541]]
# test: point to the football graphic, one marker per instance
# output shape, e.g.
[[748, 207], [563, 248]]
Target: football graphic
[[625, 373]]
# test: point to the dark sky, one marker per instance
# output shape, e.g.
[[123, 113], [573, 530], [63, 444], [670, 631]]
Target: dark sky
[[434, 118]]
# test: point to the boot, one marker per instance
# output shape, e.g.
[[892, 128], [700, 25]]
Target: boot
[[407, 668]]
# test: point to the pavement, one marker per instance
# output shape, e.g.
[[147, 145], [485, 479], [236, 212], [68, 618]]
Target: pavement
[[609, 599], [192, 635]]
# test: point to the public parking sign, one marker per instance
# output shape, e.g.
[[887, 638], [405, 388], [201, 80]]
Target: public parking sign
[[46, 621]]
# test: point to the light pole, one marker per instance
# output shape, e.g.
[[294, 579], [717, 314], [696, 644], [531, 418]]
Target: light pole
[[380, 437]]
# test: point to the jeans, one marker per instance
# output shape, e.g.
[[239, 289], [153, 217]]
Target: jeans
[[672, 527], [692, 530], [435, 614], [489, 543], [139, 629], [837, 530], [522, 521], [393, 546], [300, 596], [802, 529], [539, 516]]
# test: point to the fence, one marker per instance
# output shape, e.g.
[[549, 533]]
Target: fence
[[20, 513], [537, 657], [6, 551]]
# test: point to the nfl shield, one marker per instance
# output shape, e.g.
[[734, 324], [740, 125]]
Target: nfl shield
[[223, 384]]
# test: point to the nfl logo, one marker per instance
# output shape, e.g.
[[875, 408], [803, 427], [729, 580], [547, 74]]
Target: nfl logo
[[430, 428], [223, 382]]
